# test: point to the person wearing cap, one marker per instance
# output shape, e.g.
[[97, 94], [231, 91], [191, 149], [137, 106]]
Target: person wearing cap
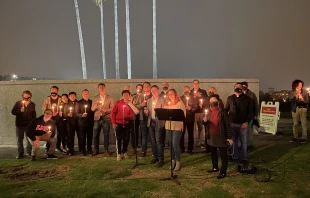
[[253, 97], [42, 129]]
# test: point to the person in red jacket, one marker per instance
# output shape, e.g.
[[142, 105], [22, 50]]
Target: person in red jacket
[[120, 115]]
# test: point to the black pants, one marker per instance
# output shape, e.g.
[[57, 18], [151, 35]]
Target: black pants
[[224, 158], [134, 133], [62, 135], [72, 129], [20, 134], [85, 135], [189, 125], [122, 138]]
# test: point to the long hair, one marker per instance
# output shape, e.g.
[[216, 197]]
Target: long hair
[[295, 84], [177, 97]]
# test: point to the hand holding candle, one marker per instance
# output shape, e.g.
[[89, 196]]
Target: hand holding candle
[[53, 109], [206, 112], [60, 107], [187, 98], [49, 129], [70, 109], [144, 95], [85, 108]]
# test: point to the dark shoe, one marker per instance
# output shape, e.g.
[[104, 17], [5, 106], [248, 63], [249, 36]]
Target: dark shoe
[[293, 140], [33, 158], [202, 146], [221, 176], [108, 153], [52, 156], [141, 155], [244, 162], [71, 153], [213, 170], [153, 161], [28, 155], [190, 152], [182, 150], [95, 153], [20, 156], [303, 141], [160, 163], [89, 153]]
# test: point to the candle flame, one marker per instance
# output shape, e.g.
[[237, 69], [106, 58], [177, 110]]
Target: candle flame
[[85, 106]]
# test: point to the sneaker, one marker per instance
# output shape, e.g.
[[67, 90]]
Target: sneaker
[[119, 157], [293, 140], [303, 141], [173, 165], [33, 158], [221, 176], [160, 163], [64, 150], [141, 155], [202, 146], [126, 155], [177, 166], [153, 161], [52, 156], [213, 170], [59, 150], [20, 156]]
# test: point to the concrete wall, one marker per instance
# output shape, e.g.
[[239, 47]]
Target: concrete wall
[[11, 92]]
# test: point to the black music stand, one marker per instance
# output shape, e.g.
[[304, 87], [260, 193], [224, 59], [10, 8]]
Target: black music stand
[[170, 115], [136, 144]]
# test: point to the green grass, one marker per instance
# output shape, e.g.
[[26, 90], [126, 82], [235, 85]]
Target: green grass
[[105, 177]]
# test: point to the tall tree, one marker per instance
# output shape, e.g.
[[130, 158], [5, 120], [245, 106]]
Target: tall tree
[[154, 41], [116, 40], [128, 39], [99, 3], [77, 12]]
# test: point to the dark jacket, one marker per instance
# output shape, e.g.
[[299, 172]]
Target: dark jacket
[[89, 119], [294, 102], [204, 96], [37, 127], [253, 97], [23, 119], [192, 102], [225, 128], [61, 122], [244, 113], [76, 113]]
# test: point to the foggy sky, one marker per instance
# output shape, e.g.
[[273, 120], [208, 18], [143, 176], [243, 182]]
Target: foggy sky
[[264, 39]]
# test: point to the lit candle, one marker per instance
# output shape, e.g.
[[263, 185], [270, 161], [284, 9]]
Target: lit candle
[[144, 95], [70, 109], [153, 104], [169, 104], [201, 101], [60, 107], [206, 112], [187, 98], [85, 108], [49, 128], [23, 103], [138, 91], [165, 96], [53, 109]]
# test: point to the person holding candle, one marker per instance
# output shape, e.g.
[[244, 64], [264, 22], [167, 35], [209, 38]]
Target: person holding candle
[[134, 137], [51, 101], [42, 129], [299, 99], [174, 129], [120, 115], [61, 123], [141, 105], [156, 126], [25, 112], [240, 110], [72, 114], [165, 86], [218, 133], [101, 106], [191, 107], [200, 95], [86, 123]]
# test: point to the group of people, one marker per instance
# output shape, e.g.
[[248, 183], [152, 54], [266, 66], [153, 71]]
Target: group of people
[[133, 117]]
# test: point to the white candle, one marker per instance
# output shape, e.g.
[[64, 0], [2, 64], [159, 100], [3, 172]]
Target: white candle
[[165, 96], [23, 103], [153, 104], [85, 108], [201, 101], [49, 128], [70, 109], [169, 104], [53, 109], [60, 107], [144, 95], [206, 112], [187, 98], [138, 91]]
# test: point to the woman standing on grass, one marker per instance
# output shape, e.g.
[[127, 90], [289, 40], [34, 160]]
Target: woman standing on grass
[[218, 133], [175, 130]]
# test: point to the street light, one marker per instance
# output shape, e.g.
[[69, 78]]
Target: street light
[[14, 76]]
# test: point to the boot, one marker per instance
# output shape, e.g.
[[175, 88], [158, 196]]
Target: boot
[[173, 165], [177, 166]]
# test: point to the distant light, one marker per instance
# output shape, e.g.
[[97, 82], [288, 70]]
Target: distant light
[[14, 76], [34, 79]]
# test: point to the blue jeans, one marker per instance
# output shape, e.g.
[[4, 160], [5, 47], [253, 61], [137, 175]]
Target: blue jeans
[[105, 126], [175, 144], [156, 133], [238, 132], [145, 135]]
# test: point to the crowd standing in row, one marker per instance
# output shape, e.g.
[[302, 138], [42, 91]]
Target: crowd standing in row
[[133, 118]]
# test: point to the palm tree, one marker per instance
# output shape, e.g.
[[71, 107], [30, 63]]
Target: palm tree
[[154, 42], [77, 12], [116, 40], [128, 39], [99, 3]]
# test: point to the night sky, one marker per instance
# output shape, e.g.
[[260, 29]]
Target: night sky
[[264, 39]]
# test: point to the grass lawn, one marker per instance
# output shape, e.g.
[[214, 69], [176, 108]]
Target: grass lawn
[[105, 177]]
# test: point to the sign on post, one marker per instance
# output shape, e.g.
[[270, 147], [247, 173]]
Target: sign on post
[[269, 116]]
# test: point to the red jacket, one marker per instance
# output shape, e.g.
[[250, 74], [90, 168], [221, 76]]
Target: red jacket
[[121, 113]]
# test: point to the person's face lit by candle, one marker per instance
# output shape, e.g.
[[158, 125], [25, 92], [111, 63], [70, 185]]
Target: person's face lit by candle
[[85, 94], [146, 87], [72, 97], [64, 98], [154, 91]]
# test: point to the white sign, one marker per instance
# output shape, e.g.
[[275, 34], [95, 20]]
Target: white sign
[[269, 116]]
